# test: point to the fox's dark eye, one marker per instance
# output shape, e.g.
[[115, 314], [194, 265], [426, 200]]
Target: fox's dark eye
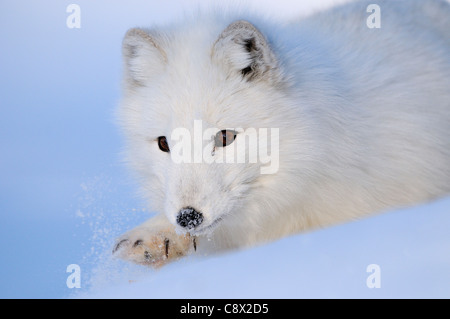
[[162, 143], [224, 138]]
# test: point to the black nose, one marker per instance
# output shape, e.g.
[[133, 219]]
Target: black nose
[[189, 218]]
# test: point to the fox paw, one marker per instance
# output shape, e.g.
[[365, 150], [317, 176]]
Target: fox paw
[[147, 247]]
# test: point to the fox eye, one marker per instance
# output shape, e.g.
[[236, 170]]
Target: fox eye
[[224, 138], [162, 143]]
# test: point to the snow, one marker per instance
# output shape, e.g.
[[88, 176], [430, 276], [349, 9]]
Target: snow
[[65, 195], [411, 247]]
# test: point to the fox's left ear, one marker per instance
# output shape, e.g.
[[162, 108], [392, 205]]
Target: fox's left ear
[[143, 57], [245, 50]]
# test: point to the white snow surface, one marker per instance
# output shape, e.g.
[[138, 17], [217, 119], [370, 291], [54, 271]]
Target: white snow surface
[[411, 247]]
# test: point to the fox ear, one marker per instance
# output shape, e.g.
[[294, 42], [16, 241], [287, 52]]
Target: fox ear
[[142, 56], [244, 48]]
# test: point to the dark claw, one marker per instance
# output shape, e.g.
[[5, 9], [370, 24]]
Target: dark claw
[[118, 245], [137, 242], [195, 244], [147, 256], [166, 243]]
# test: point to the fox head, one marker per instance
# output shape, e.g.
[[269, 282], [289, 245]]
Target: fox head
[[204, 113]]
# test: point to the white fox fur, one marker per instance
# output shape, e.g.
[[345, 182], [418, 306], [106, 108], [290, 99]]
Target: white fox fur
[[363, 117]]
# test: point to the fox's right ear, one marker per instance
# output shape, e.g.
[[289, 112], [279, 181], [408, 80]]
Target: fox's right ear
[[142, 55], [245, 50]]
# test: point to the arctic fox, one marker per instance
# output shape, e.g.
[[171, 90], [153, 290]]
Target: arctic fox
[[362, 116]]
